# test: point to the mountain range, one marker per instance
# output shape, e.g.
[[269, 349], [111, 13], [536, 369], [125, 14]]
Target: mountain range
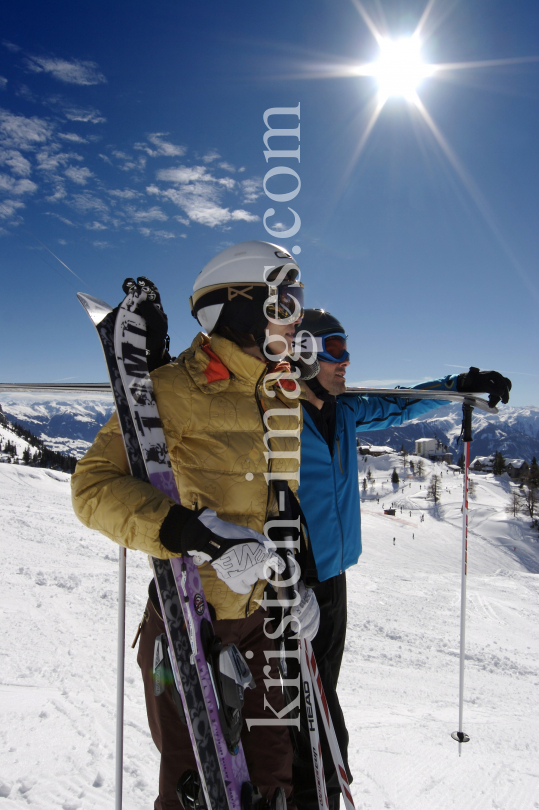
[[69, 422]]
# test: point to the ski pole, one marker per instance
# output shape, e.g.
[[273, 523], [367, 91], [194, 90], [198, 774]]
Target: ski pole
[[314, 735], [291, 567], [467, 410], [316, 680], [120, 679]]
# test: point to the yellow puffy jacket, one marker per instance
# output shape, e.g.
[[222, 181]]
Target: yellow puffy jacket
[[215, 403]]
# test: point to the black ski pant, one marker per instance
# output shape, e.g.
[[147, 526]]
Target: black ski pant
[[267, 748], [328, 647]]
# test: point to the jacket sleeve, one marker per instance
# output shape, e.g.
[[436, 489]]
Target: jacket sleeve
[[377, 413], [106, 497]]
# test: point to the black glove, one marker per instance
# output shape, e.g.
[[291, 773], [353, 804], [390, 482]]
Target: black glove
[[184, 532], [156, 322], [181, 531], [488, 382]]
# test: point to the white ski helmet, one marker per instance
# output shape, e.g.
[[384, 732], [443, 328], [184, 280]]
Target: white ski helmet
[[236, 282]]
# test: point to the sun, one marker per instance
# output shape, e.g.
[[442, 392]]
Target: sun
[[400, 68]]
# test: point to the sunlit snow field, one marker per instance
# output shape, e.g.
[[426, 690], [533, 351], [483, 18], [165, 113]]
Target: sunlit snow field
[[399, 682]]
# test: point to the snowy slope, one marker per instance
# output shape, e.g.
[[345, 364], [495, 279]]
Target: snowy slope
[[7, 435], [399, 682]]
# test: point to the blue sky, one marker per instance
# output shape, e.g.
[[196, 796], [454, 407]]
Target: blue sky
[[131, 144]]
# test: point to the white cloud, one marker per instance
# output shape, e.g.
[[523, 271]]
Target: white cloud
[[95, 226], [212, 155], [9, 208], [79, 176], [279, 226], [183, 220], [15, 161], [87, 116], [18, 187], [158, 236], [75, 71], [11, 46], [126, 194], [62, 241], [227, 167], [184, 174], [58, 195], [62, 219], [252, 189], [87, 202], [101, 245], [151, 215], [3, 83], [200, 203], [23, 133], [183, 236], [50, 161], [70, 136], [227, 182], [162, 148]]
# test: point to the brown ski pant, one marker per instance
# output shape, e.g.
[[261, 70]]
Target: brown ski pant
[[268, 749]]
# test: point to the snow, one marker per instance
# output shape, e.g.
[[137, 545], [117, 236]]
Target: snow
[[399, 681]]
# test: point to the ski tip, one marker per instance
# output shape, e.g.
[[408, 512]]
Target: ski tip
[[96, 309], [460, 737]]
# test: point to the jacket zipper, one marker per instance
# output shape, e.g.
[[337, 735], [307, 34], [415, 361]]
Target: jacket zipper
[[336, 500], [339, 453]]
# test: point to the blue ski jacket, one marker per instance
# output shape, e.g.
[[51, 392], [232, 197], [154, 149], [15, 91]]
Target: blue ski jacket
[[329, 491]]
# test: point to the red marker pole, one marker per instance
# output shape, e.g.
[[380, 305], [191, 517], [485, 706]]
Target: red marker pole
[[467, 410]]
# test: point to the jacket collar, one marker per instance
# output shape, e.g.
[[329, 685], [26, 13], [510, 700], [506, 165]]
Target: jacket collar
[[212, 362]]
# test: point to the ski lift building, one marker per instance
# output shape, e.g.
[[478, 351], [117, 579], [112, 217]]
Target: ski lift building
[[433, 449]]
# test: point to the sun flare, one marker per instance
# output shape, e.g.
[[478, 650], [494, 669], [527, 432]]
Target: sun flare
[[400, 68]]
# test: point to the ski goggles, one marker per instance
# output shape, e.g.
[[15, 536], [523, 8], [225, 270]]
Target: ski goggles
[[285, 302], [330, 348]]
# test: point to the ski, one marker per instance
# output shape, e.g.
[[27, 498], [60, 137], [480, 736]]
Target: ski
[[422, 393], [224, 779], [57, 388], [406, 393]]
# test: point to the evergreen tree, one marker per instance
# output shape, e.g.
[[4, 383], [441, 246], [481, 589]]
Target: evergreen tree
[[364, 484], [26, 455], [533, 474], [395, 476], [498, 467], [421, 468], [412, 467]]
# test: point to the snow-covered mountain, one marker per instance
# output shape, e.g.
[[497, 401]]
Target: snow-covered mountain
[[513, 431], [67, 423]]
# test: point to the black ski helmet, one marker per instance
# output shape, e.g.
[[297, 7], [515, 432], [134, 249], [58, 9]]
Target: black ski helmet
[[320, 322]]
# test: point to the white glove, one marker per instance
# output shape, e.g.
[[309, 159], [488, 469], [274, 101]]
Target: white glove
[[307, 613], [244, 563]]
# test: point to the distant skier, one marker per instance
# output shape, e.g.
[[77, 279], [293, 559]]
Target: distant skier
[[211, 400], [328, 454]]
